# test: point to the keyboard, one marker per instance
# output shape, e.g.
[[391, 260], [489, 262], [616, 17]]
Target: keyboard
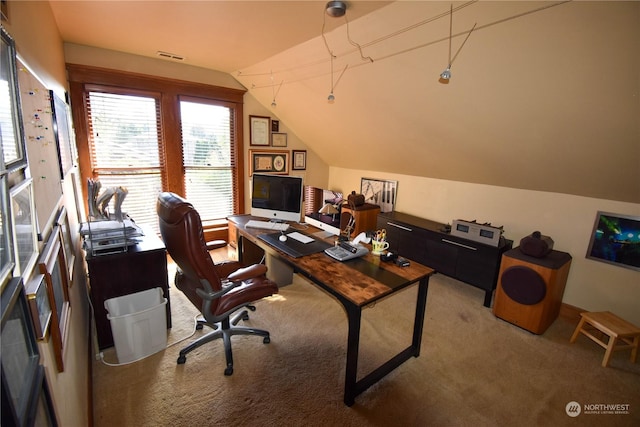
[[267, 225]]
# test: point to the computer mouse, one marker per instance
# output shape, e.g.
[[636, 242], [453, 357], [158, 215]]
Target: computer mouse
[[283, 238]]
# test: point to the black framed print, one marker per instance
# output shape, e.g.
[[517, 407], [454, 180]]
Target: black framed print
[[273, 161], [299, 161], [19, 355], [259, 130], [62, 132]]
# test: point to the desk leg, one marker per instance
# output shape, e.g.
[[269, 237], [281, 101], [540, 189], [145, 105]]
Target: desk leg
[[354, 315], [418, 324], [352, 387]]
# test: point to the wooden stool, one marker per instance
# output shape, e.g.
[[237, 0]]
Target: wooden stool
[[613, 326]]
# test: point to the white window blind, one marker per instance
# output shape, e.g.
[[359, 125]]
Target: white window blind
[[124, 143], [207, 147]]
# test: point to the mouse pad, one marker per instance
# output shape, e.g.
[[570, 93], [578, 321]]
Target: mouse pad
[[292, 247]]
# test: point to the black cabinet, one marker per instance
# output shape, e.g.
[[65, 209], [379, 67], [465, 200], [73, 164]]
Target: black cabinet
[[428, 243], [142, 267]]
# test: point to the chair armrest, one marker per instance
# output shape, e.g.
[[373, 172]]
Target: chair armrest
[[210, 296], [250, 272]]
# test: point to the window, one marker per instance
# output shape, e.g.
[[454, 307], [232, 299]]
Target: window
[[207, 135], [125, 151], [151, 134]]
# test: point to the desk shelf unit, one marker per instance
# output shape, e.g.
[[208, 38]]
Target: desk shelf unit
[[428, 243]]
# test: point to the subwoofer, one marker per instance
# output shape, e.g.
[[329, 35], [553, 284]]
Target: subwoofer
[[530, 289]]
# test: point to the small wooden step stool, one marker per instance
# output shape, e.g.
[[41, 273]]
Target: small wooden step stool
[[616, 328]]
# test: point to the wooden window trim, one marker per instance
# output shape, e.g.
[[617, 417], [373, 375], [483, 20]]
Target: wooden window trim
[[82, 77]]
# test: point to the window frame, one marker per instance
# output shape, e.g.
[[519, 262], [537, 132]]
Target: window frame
[[82, 77]]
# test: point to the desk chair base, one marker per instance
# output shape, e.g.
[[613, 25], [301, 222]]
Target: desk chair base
[[225, 330]]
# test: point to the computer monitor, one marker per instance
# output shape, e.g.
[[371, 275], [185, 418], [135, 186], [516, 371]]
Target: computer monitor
[[317, 200], [276, 197]]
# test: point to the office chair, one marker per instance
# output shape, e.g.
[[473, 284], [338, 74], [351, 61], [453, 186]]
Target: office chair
[[218, 290]]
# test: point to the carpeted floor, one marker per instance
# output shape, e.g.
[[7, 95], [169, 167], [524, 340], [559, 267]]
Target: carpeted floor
[[474, 369]]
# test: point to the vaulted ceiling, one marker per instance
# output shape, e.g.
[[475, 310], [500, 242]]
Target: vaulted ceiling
[[543, 95]]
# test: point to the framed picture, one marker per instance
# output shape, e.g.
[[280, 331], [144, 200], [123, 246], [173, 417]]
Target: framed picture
[[25, 234], [62, 132], [279, 139], [299, 162], [43, 412], [19, 357], [67, 242], [38, 299], [379, 192], [274, 161], [615, 239], [7, 251], [53, 267], [11, 131], [259, 130], [275, 125]]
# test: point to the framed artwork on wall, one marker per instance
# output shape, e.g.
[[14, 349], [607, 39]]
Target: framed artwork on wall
[[62, 132], [67, 242], [25, 234], [12, 131], [53, 266], [20, 355], [39, 305], [273, 161], [7, 254], [379, 192], [279, 139], [615, 239], [299, 162], [259, 130]]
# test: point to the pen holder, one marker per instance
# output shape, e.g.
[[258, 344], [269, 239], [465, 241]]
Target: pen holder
[[379, 246]]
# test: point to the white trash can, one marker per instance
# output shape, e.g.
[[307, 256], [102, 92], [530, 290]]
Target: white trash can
[[138, 323]]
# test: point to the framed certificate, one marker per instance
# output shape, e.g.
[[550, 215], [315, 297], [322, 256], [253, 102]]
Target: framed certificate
[[259, 130], [273, 161]]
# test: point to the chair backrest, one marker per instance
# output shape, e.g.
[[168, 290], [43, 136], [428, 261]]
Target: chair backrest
[[181, 230]]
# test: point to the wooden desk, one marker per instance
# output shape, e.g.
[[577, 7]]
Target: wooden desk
[[354, 290], [142, 267]]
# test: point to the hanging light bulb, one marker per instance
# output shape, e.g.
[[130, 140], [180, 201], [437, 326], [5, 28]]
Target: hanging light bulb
[[331, 98], [446, 74]]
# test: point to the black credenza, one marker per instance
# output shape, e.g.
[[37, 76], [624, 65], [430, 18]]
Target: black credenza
[[428, 243]]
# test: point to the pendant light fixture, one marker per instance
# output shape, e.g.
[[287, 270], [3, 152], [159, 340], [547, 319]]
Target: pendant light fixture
[[446, 74]]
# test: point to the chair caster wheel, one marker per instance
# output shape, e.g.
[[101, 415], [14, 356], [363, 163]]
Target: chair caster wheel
[[266, 340], [182, 360], [228, 371], [245, 317], [199, 326], [251, 307]]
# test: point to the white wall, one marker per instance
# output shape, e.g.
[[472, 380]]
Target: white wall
[[568, 220]]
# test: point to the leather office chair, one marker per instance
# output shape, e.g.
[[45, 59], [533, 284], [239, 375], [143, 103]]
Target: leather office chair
[[218, 290]]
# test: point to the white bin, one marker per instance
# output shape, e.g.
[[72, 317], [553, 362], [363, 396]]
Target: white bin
[[138, 323]]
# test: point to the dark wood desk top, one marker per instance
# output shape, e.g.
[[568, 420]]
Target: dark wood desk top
[[339, 277]]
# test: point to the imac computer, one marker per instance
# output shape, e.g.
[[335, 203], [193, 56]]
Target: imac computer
[[276, 197], [322, 209]]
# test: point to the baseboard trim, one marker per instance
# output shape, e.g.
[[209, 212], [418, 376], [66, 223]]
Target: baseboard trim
[[570, 312]]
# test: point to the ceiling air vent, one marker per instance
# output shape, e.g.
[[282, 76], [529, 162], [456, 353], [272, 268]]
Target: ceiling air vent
[[167, 55]]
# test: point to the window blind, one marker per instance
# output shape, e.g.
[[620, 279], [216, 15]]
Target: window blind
[[125, 149], [208, 161]]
